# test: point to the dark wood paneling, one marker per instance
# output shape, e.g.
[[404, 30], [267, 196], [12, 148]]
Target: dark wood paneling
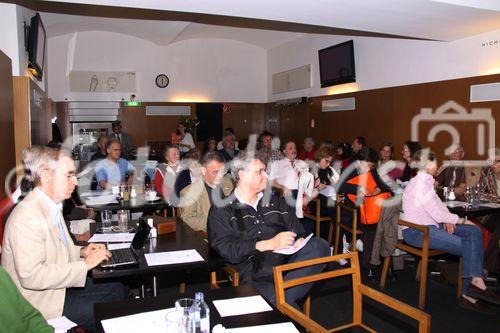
[[245, 119], [7, 158]]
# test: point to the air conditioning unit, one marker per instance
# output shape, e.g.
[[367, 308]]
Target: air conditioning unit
[[293, 79], [339, 104], [485, 92], [291, 101]]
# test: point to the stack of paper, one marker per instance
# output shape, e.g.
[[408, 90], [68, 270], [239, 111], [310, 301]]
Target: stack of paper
[[101, 200], [272, 328], [172, 257], [150, 322], [293, 249], [241, 305], [112, 238], [61, 324]]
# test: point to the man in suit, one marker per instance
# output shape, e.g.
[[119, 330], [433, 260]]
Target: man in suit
[[198, 197], [128, 148], [38, 252]]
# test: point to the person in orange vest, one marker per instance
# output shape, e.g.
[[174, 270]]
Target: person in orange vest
[[364, 189]]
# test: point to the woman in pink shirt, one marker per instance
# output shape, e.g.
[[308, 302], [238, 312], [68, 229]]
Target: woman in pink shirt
[[447, 232]]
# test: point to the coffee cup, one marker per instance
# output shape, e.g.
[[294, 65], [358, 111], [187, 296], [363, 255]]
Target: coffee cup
[[115, 190], [151, 195]]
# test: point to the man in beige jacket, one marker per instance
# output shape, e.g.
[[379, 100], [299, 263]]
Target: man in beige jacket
[[197, 198], [38, 252]]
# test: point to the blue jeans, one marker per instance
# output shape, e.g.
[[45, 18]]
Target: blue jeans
[[467, 242], [79, 302], [315, 248]]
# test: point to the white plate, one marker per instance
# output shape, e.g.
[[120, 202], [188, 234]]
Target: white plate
[[155, 199]]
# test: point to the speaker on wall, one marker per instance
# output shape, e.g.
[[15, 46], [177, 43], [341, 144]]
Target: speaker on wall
[[210, 117]]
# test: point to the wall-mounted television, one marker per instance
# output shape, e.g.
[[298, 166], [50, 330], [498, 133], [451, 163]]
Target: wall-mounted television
[[36, 47], [336, 64]]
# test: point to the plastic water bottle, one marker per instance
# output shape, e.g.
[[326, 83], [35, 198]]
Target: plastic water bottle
[[202, 317]]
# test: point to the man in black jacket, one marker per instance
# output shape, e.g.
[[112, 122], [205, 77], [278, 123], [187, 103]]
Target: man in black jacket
[[250, 226]]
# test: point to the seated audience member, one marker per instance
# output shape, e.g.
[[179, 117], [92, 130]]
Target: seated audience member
[[252, 225], [186, 142], [191, 172], [363, 188], [198, 197], [17, 315], [386, 165], [328, 146], [405, 172], [421, 205], [100, 154], [453, 175], [209, 145], [114, 169], [325, 180], [490, 187], [229, 130], [125, 140], [167, 173], [357, 144], [308, 151], [343, 156], [228, 152], [38, 253], [283, 174], [276, 152], [264, 145]]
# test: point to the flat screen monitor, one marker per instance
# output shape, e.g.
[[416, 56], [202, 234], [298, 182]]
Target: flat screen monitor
[[36, 47], [336, 64]]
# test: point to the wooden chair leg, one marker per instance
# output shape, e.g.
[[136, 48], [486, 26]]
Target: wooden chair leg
[[182, 287], [330, 233], [459, 278], [337, 238], [385, 271], [213, 280], [417, 275], [423, 282], [307, 306]]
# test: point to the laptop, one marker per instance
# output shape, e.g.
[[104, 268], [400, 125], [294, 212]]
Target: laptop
[[129, 256]]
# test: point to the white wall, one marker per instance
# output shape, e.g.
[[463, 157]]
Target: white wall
[[388, 62], [212, 70]]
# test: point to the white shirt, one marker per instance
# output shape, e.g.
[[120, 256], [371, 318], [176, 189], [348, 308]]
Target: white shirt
[[283, 172], [188, 140], [253, 205]]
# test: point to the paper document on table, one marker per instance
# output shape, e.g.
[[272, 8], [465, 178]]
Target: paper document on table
[[292, 249], [490, 205], [172, 257], [241, 305], [151, 322], [271, 328], [455, 203], [117, 246], [122, 237], [94, 193], [101, 200], [61, 324]]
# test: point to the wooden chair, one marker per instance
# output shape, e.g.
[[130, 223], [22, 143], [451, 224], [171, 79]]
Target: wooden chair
[[319, 219], [423, 253], [232, 276], [359, 290], [339, 225]]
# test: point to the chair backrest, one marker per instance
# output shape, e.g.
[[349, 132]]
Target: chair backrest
[[358, 291]]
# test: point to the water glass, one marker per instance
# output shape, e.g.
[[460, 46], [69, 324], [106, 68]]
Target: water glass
[[123, 217], [179, 321], [106, 220], [185, 307]]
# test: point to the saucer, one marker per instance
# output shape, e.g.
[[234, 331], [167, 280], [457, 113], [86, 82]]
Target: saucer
[[154, 199]]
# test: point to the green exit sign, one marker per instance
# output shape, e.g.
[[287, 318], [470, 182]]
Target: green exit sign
[[133, 103]]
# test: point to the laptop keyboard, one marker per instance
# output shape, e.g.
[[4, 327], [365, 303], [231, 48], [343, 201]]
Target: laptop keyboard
[[120, 257]]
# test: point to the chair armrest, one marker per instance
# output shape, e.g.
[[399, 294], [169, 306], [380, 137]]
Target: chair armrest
[[423, 228], [424, 319]]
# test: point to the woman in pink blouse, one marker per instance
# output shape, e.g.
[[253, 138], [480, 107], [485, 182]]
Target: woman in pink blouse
[[447, 231]]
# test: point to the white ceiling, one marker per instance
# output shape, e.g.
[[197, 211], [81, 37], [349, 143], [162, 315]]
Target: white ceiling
[[445, 20]]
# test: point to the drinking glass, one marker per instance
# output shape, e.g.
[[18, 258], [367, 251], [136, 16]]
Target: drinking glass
[[106, 220], [123, 217], [186, 320], [179, 321]]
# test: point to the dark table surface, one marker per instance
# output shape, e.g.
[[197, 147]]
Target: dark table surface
[[132, 306], [138, 203], [184, 238], [474, 212]]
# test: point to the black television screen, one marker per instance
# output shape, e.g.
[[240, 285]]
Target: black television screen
[[36, 47], [336, 64]]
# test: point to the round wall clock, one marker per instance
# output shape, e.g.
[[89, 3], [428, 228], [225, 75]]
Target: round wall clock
[[162, 81]]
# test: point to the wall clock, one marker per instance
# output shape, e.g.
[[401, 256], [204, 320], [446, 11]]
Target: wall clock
[[162, 81]]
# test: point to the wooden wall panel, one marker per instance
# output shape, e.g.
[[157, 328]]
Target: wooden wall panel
[[245, 119], [7, 158], [21, 115]]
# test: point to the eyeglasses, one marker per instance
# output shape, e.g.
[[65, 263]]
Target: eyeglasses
[[220, 172], [71, 176], [262, 171]]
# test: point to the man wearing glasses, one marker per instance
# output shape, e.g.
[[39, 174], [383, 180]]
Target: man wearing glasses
[[114, 169], [38, 253], [197, 198], [247, 230]]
